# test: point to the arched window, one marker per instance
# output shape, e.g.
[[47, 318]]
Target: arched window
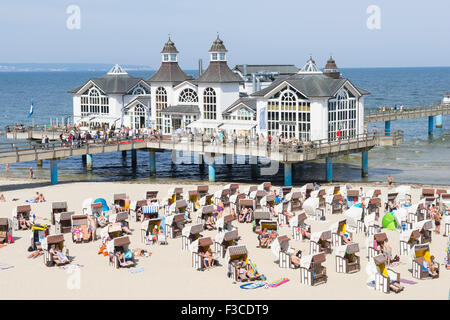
[[209, 104], [93, 102], [139, 90], [342, 115], [139, 116], [160, 103], [188, 96], [244, 114], [288, 114]]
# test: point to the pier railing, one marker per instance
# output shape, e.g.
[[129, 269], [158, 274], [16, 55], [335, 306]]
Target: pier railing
[[406, 113], [288, 151]]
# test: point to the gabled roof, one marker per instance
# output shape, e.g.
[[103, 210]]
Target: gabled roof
[[192, 82], [145, 100], [249, 102], [169, 72], [311, 85], [282, 69], [112, 83], [218, 71]]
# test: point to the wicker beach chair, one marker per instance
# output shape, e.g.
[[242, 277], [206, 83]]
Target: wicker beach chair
[[23, 211], [346, 259], [223, 240], [311, 270], [386, 279], [299, 226], [6, 230], [63, 222], [378, 240], [58, 241], [58, 207], [198, 248], [225, 223], [189, 234], [202, 190], [113, 248], [420, 262], [281, 249], [174, 225], [81, 221], [258, 217], [149, 234], [408, 239], [320, 242]]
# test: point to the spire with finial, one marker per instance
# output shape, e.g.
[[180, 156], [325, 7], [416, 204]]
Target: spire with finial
[[169, 52], [331, 70], [218, 50]]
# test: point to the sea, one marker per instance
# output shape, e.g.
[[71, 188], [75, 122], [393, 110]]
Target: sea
[[421, 159]]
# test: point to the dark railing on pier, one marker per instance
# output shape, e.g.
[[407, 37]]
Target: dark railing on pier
[[310, 150]]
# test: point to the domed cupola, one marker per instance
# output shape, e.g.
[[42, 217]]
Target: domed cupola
[[331, 70]]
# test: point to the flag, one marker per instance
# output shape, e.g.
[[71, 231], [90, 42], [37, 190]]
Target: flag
[[31, 110]]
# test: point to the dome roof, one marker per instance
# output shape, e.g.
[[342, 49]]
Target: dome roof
[[331, 70], [218, 46], [169, 47]]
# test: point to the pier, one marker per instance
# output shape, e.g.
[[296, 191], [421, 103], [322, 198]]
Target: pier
[[281, 153], [434, 114]]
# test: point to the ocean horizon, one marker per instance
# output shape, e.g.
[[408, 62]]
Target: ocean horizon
[[421, 159]]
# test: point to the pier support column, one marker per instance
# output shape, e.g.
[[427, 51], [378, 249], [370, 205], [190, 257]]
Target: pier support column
[[254, 170], [89, 161], [201, 163], [124, 155], [134, 158], [83, 160], [365, 164], [430, 125], [152, 163], [54, 171], [39, 163], [288, 174], [212, 169], [329, 162], [387, 128], [439, 120]]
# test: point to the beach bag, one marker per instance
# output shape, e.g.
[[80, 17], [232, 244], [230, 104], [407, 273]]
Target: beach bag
[[128, 255]]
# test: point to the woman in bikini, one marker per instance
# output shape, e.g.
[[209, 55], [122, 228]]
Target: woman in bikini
[[23, 223]]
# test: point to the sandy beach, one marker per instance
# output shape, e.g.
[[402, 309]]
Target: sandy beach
[[168, 273]]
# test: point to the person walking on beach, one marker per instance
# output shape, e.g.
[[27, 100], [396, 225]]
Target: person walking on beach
[[390, 180], [437, 221], [7, 168], [31, 173]]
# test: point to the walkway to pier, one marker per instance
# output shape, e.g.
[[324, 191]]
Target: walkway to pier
[[284, 153], [434, 114]]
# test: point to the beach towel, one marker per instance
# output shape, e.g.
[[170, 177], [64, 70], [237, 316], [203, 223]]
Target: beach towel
[[62, 256], [3, 245], [407, 281], [278, 282], [253, 285], [138, 270]]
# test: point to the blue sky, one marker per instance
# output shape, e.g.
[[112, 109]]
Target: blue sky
[[413, 33]]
